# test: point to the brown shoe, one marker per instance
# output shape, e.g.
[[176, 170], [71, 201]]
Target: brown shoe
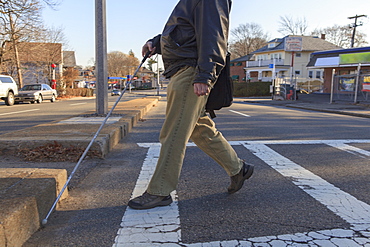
[[146, 201], [237, 180]]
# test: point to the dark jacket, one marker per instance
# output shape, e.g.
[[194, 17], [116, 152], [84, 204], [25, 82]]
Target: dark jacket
[[196, 34]]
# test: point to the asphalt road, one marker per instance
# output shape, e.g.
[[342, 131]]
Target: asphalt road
[[20, 116], [292, 150]]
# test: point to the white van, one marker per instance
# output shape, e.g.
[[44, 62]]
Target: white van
[[8, 89]]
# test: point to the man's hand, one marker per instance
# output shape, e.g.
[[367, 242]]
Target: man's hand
[[201, 89], [148, 47]]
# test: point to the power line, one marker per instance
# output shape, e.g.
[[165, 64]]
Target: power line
[[354, 25]]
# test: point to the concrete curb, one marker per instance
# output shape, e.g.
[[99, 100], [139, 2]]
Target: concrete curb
[[26, 195], [366, 114], [80, 135]]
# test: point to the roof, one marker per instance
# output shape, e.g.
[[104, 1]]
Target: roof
[[242, 59], [38, 52], [309, 43], [333, 58], [69, 59]]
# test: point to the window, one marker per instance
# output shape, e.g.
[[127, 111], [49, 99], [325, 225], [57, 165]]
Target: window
[[298, 54], [318, 74], [239, 64], [235, 78], [262, 57], [231, 64], [6, 80], [297, 72], [310, 74]]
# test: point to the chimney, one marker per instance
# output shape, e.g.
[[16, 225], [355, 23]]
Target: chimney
[[323, 36]]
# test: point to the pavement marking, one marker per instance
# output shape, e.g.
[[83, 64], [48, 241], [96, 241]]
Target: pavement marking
[[154, 226], [89, 120], [245, 115], [84, 103], [350, 149], [161, 226], [16, 112], [344, 205]]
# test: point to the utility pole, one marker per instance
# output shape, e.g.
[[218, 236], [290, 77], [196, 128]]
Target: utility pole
[[354, 25], [101, 57]]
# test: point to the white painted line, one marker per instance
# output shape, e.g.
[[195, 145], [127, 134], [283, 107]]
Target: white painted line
[[295, 142], [79, 104], [350, 149], [161, 226], [354, 211], [16, 112], [245, 115], [152, 227], [89, 120]]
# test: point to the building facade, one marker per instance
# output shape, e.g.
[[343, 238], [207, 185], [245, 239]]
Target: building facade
[[274, 61], [346, 72]]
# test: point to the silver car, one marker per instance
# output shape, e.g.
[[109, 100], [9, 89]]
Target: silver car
[[36, 93]]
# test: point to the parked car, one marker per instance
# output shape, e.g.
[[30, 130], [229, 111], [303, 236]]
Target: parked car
[[8, 89], [36, 93], [116, 92]]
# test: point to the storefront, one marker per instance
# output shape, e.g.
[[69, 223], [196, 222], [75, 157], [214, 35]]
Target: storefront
[[346, 73]]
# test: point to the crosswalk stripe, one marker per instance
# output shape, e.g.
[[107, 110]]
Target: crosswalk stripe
[[355, 212], [158, 225], [350, 149], [161, 226]]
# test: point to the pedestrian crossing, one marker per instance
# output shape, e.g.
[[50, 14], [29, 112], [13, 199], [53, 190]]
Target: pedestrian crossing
[[162, 227]]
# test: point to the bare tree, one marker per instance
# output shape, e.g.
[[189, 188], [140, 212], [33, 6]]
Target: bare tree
[[247, 38], [290, 26], [69, 76], [52, 35], [20, 20], [341, 36], [121, 64]]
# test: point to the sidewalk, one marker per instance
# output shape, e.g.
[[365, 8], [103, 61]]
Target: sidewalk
[[317, 102]]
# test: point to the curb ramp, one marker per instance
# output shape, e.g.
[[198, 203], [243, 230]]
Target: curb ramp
[[27, 194]]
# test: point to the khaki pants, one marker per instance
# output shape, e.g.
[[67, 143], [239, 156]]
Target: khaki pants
[[186, 119]]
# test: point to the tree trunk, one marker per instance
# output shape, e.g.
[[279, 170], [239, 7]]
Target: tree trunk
[[15, 49]]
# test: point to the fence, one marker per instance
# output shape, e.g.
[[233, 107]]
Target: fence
[[354, 88], [284, 88]]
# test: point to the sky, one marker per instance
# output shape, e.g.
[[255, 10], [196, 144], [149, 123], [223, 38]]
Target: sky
[[131, 22]]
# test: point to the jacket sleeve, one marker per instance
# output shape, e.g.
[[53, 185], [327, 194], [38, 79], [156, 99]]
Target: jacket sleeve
[[156, 42], [211, 20]]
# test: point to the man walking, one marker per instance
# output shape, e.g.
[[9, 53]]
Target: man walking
[[193, 45]]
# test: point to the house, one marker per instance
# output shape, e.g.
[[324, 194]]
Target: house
[[275, 61], [145, 78], [237, 67], [38, 61], [346, 72]]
